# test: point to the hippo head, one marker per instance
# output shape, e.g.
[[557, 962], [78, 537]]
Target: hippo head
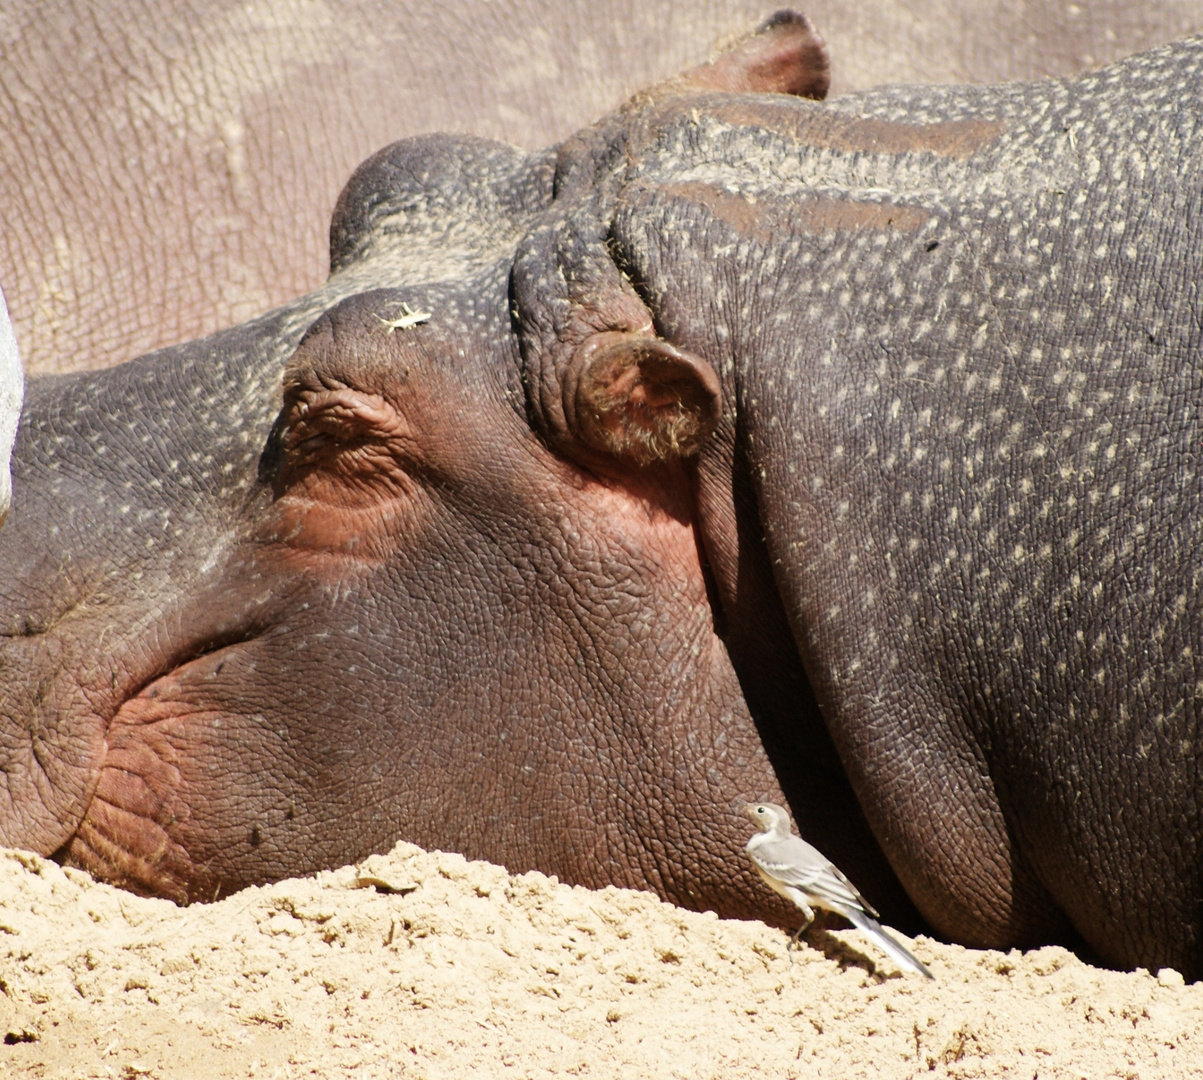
[[396, 613], [247, 636]]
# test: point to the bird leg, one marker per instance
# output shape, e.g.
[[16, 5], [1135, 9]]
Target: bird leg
[[809, 916]]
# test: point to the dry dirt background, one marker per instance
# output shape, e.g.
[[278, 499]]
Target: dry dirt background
[[422, 964]]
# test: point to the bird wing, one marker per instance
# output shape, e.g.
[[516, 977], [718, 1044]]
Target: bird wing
[[797, 863]]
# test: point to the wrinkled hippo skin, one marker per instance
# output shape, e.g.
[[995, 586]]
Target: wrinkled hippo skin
[[170, 167], [730, 406]]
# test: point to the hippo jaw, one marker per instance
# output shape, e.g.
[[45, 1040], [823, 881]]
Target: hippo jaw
[[81, 683]]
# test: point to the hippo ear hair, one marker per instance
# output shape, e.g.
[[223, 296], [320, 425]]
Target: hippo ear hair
[[639, 398]]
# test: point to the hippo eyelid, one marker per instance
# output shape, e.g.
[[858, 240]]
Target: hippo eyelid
[[345, 443], [317, 419], [312, 442]]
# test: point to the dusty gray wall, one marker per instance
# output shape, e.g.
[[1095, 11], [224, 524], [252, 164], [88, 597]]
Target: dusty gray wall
[[170, 166]]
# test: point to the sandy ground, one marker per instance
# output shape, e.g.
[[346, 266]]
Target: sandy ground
[[422, 964]]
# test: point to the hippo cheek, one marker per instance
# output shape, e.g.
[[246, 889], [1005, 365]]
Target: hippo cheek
[[175, 777]]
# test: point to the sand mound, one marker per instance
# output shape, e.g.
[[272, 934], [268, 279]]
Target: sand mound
[[426, 965]]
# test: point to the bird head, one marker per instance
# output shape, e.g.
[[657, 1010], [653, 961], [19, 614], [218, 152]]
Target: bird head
[[766, 815]]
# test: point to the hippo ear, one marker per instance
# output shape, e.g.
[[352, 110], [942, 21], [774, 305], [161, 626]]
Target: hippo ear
[[638, 398], [785, 55]]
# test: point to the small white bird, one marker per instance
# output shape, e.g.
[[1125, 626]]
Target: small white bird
[[807, 878]]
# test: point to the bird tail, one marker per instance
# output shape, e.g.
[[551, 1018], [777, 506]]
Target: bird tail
[[885, 941]]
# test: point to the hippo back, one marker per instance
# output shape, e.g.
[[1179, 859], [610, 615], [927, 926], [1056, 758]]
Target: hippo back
[[958, 332], [977, 440]]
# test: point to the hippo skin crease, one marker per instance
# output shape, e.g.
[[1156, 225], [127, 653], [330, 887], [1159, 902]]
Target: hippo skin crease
[[841, 455]]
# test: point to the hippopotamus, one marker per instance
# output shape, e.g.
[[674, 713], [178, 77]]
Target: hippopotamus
[[742, 442], [170, 170]]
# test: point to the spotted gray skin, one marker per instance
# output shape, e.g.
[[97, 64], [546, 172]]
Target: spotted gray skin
[[958, 336]]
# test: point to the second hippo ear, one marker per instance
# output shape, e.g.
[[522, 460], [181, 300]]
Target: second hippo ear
[[785, 55], [638, 398]]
